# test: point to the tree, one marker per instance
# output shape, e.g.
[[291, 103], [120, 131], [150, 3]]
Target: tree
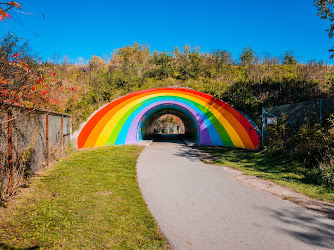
[[326, 11], [187, 62], [21, 82], [127, 66], [289, 58], [162, 62], [247, 56], [221, 58]]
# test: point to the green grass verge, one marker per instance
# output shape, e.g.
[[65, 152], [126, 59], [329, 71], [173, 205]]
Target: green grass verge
[[259, 164], [90, 200]]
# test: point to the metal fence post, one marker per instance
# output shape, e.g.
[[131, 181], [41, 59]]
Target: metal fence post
[[10, 147], [263, 125], [47, 140], [62, 133]]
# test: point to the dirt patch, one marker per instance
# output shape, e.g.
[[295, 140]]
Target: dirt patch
[[272, 188]]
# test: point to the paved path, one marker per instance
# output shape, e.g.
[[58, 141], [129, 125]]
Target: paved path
[[199, 206]]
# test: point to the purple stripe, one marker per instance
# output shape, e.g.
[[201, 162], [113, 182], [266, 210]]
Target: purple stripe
[[131, 137]]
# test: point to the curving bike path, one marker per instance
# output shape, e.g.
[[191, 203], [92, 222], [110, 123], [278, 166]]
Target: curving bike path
[[199, 206]]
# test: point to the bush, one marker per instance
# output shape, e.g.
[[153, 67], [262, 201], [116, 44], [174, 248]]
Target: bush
[[325, 173], [312, 145]]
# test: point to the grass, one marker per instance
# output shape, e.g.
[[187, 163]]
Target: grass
[[90, 200], [259, 164]]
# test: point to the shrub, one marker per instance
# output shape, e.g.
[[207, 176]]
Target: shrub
[[325, 173], [312, 145]]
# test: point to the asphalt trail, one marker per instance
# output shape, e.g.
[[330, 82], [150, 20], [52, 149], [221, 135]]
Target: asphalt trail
[[199, 206]]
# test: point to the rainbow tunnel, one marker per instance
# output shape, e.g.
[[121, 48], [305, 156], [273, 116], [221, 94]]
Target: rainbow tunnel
[[131, 118]]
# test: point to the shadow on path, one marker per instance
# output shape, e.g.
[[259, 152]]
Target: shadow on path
[[307, 229]]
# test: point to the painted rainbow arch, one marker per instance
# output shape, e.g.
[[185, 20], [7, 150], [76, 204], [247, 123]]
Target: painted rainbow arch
[[129, 119]]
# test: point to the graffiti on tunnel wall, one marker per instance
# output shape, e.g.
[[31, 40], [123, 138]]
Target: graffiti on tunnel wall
[[119, 122]]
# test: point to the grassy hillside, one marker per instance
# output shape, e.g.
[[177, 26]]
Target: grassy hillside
[[247, 85]]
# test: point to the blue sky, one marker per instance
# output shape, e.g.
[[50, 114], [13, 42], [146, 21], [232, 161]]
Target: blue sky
[[85, 28]]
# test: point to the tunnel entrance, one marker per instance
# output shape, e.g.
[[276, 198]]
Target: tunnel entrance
[[169, 125], [168, 121]]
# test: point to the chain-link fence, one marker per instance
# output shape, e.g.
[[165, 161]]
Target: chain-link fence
[[29, 141], [297, 114]]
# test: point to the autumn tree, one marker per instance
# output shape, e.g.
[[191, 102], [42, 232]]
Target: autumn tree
[[326, 11], [20, 80]]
